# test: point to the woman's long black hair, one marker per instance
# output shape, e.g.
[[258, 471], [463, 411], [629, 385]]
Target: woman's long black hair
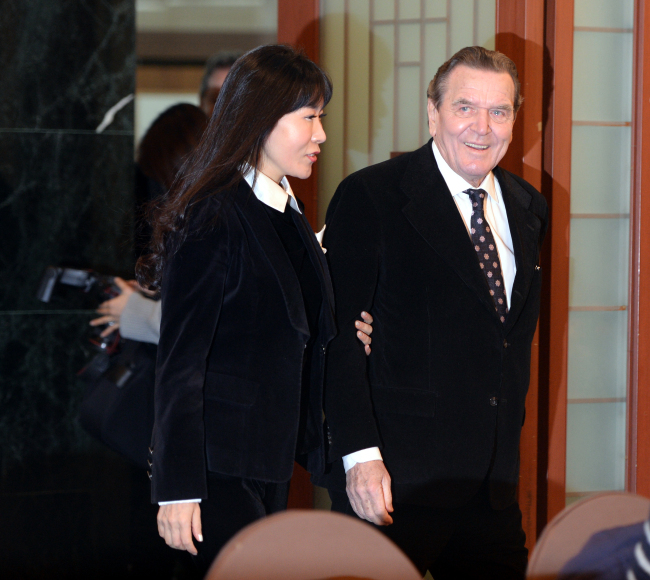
[[262, 86]]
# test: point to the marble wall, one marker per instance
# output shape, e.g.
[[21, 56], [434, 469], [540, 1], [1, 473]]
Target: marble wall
[[66, 198]]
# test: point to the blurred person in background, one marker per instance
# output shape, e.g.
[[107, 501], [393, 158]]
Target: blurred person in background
[[216, 69]]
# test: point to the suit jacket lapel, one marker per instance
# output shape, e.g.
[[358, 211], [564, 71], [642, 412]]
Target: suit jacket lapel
[[524, 228], [433, 213], [251, 210], [319, 262]]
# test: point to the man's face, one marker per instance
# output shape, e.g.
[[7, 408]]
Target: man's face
[[215, 82], [473, 125]]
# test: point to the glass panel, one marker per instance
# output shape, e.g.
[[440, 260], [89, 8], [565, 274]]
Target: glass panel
[[462, 24], [594, 190], [598, 361], [409, 43], [408, 104], [435, 50], [604, 13], [436, 9], [384, 9], [409, 9], [486, 23], [602, 76], [333, 55], [595, 447], [358, 88], [382, 92], [598, 262]]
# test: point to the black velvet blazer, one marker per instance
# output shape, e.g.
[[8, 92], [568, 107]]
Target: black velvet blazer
[[446, 382], [232, 341]]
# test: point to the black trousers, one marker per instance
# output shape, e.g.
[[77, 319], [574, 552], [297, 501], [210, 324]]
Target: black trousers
[[470, 542], [232, 504]]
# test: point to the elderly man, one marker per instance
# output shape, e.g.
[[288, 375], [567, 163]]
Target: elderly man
[[442, 246]]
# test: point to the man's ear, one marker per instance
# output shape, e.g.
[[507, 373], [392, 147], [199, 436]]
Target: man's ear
[[432, 116]]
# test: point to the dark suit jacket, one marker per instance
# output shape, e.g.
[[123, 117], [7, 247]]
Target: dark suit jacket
[[445, 385], [232, 341]]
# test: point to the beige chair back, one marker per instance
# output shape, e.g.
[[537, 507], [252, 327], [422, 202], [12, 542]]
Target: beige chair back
[[311, 545], [569, 531]]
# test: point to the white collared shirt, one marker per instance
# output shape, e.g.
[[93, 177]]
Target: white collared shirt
[[497, 218], [269, 192], [495, 214]]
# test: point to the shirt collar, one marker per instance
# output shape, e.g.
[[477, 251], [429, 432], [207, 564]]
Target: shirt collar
[[458, 185], [269, 192]]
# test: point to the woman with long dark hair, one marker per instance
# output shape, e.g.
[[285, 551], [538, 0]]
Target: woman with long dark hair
[[247, 309]]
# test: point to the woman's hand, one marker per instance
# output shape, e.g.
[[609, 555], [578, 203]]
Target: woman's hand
[[178, 522], [365, 330], [111, 310]]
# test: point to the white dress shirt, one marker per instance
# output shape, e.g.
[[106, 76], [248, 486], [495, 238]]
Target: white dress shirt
[[497, 218], [274, 195]]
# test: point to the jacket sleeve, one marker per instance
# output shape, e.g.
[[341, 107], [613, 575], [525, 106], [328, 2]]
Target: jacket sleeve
[[192, 293], [140, 319], [353, 243]]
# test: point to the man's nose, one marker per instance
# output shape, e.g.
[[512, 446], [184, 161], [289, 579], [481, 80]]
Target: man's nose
[[482, 121]]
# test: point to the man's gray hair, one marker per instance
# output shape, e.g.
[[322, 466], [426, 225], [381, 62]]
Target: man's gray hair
[[478, 58], [223, 59]]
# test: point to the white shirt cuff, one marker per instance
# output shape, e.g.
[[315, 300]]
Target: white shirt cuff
[[370, 454], [179, 501]]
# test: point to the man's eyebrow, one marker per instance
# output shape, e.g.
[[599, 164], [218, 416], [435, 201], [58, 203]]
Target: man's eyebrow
[[462, 101]]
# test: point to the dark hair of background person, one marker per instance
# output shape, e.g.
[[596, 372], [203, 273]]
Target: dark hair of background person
[[173, 135], [216, 61], [163, 149], [478, 58], [263, 85]]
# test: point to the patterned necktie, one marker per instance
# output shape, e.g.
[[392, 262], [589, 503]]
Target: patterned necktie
[[486, 250]]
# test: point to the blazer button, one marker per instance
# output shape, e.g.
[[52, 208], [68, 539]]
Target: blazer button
[[324, 349], [150, 463], [494, 401], [505, 344], [150, 450], [149, 474]]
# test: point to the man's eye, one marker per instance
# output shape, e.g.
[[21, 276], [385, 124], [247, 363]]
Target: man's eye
[[498, 113]]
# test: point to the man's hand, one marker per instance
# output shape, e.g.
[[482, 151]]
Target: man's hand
[[364, 330], [111, 310], [177, 522], [368, 488]]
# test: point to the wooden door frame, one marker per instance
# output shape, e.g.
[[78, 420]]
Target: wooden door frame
[[299, 26], [638, 408]]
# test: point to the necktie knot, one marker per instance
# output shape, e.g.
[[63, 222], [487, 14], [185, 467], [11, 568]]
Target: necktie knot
[[477, 197]]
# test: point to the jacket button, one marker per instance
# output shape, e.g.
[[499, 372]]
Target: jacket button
[[150, 450], [149, 474], [150, 463], [494, 401], [324, 349], [505, 344]]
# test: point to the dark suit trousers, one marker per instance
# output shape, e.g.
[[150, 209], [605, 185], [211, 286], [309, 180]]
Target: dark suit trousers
[[232, 504], [470, 542]]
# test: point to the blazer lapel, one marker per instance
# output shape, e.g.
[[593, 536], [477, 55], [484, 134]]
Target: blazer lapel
[[251, 211], [319, 262], [524, 228], [433, 213]]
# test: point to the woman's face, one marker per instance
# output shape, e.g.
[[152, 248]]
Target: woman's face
[[293, 145]]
